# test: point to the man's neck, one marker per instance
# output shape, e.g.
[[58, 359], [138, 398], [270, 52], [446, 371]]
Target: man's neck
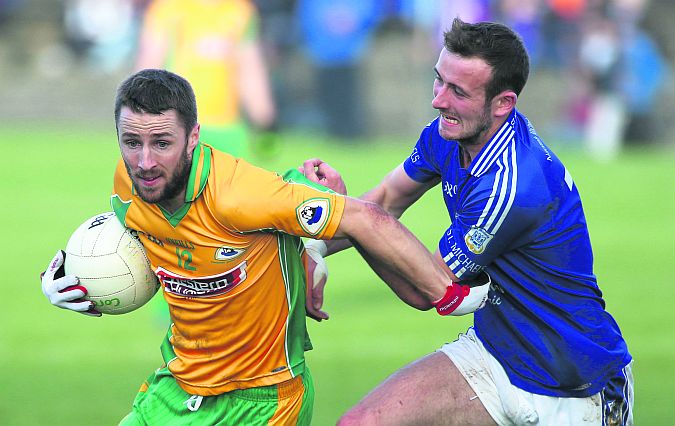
[[471, 149], [172, 205]]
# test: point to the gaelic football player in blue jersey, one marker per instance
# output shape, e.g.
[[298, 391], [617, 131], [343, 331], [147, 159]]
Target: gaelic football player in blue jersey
[[543, 350]]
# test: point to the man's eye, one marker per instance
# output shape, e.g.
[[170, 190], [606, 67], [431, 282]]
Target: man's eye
[[131, 143], [162, 144]]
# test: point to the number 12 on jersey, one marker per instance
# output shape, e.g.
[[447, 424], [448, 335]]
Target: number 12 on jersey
[[184, 259]]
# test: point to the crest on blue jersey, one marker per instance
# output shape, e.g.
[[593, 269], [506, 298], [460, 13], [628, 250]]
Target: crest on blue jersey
[[227, 253], [477, 239], [313, 215]]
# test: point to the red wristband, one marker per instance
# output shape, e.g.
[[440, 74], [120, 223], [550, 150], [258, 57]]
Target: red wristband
[[454, 295]]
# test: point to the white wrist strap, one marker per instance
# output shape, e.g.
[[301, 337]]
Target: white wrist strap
[[318, 246]]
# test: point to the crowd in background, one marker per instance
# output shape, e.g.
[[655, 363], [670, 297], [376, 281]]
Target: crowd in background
[[612, 65]]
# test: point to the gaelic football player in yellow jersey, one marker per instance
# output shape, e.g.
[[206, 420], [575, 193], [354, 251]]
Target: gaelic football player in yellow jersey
[[215, 45], [223, 237]]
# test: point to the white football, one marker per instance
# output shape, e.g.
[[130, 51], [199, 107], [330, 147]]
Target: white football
[[111, 264]]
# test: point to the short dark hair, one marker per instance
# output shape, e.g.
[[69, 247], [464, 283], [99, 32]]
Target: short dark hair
[[497, 45], [155, 91]]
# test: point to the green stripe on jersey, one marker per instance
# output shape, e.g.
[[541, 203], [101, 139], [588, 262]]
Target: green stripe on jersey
[[166, 348], [294, 176], [120, 208], [297, 339]]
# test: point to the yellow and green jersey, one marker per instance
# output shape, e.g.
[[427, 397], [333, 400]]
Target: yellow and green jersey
[[231, 266], [203, 39]]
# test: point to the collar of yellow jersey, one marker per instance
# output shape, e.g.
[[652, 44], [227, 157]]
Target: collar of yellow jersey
[[199, 173]]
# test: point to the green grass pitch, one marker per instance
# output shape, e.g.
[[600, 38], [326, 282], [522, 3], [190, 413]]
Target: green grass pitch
[[60, 368]]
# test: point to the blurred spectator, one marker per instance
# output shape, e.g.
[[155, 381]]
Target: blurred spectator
[[336, 34], [101, 32], [644, 72], [7, 8], [561, 26], [624, 72], [279, 39], [215, 45], [468, 10], [600, 60], [525, 17]]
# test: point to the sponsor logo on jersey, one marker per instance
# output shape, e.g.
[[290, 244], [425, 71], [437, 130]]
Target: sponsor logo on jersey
[[477, 239], [415, 155], [181, 243], [458, 261], [227, 253], [202, 286], [451, 190], [154, 239], [313, 215]]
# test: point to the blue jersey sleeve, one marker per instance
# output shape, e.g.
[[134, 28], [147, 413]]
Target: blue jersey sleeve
[[421, 165]]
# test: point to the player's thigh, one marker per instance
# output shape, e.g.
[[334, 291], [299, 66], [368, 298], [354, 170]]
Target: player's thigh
[[430, 391], [509, 405]]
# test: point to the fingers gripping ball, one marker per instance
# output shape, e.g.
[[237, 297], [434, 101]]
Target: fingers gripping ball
[[464, 298], [110, 262], [63, 290]]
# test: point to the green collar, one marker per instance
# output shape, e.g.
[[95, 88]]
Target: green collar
[[199, 175]]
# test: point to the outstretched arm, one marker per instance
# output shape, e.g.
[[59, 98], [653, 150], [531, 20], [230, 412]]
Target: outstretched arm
[[394, 252], [404, 289], [398, 191], [418, 278], [395, 194]]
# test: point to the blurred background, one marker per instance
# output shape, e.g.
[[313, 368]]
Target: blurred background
[[348, 81], [358, 69]]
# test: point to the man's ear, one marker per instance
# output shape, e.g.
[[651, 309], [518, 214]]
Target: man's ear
[[193, 139], [504, 103]]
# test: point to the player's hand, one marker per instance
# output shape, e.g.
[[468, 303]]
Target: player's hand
[[465, 297], [317, 275], [63, 290], [322, 173]]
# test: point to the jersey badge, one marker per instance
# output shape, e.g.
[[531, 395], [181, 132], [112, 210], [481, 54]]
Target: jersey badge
[[477, 239], [226, 253], [313, 215]]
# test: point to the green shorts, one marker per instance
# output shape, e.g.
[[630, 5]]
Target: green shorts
[[162, 402]]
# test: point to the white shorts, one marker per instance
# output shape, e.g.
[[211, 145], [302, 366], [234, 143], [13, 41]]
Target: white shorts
[[509, 405]]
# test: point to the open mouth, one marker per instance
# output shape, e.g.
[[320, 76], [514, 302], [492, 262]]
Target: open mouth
[[149, 180], [449, 119]]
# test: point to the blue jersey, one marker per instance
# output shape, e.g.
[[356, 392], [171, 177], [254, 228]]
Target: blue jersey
[[516, 213]]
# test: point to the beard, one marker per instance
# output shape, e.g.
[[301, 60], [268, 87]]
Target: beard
[[475, 135], [176, 183]]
